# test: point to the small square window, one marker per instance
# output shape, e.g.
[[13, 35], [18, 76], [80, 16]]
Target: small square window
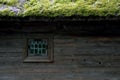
[[38, 48]]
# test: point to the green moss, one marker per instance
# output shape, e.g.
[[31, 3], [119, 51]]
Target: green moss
[[9, 2], [53, 8], [6, 11]]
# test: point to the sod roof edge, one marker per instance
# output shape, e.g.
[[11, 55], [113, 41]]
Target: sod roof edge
[[54, 19]]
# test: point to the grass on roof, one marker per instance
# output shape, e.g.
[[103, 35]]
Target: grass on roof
[[54, 8]]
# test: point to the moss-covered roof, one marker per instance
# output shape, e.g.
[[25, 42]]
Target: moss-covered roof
[[54, 8]]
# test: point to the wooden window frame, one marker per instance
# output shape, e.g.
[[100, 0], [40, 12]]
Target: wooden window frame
[[49, 58]]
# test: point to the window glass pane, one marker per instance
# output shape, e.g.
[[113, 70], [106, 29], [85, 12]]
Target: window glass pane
[[37, 47]]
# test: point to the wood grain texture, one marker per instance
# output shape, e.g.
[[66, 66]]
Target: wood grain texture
[[75, 58]]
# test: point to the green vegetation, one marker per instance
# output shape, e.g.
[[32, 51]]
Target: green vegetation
[[9, 2], [54, 8]]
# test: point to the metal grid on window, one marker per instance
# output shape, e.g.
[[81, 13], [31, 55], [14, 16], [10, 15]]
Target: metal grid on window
[[37, 47]]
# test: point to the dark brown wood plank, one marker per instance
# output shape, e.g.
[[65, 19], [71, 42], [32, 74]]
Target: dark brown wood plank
[[75, 58]]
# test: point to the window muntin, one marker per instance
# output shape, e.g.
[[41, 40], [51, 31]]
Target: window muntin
[[39, 48]]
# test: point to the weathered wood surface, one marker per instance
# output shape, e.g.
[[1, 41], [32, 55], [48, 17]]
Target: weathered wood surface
[[18, 27], [65, 27], [75, 58]]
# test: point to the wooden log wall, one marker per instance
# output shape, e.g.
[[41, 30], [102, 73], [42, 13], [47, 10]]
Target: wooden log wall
[[75, 58]]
